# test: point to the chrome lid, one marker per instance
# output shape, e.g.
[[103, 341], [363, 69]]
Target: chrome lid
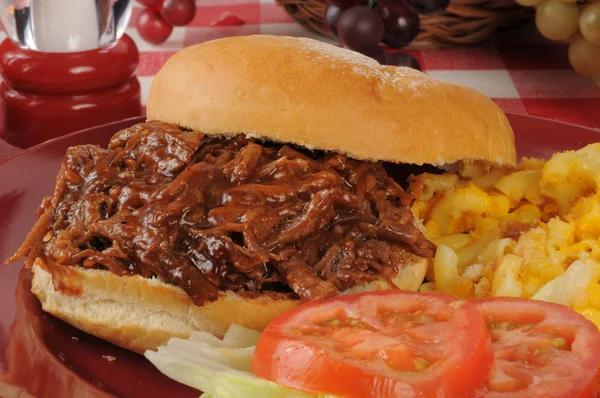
[[65, 25]]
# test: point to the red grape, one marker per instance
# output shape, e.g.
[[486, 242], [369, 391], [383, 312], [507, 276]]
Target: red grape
[[402, 59], [153, 28], [178, 12], [154, 4], [360, 28], [332, 16], [428, 7], [402, 24], [345, 3]]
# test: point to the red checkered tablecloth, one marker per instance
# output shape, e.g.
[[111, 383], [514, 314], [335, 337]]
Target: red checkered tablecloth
[[523, 73]]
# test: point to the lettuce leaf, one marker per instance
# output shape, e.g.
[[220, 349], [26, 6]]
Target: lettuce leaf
[[219, 368]]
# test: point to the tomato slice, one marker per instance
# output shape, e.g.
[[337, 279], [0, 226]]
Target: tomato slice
[[383, 344], [540, 349]]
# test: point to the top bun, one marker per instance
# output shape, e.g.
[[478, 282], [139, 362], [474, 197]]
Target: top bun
[[306, 92]]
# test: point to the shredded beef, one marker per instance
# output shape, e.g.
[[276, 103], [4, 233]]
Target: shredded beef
[[211, 213]]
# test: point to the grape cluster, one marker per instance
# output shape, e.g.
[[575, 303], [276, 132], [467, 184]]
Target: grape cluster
[[575, 21], [361, 25], [156, 22]]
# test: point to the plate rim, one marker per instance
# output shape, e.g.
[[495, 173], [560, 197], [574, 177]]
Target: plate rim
[[74, 133]]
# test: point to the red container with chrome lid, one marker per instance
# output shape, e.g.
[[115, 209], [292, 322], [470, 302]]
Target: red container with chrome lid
[[66, 67]]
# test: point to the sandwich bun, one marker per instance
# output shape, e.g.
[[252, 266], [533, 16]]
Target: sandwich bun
[[287, 90], [309, 93], [142, 314]]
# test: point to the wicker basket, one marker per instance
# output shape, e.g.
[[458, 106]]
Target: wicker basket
[[464, 21]]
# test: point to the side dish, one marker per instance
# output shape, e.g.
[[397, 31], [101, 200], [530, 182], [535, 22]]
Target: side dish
[[531, 232]]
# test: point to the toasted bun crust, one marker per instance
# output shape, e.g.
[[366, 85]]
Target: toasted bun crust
[[142, 314], [305, 92]]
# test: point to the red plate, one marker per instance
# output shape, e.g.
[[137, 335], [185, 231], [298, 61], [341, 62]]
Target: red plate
[[44, 356]]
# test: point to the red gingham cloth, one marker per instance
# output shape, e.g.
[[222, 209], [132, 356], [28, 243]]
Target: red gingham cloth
[[524, 73]]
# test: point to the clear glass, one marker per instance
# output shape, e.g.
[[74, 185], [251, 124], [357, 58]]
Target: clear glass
[[64, 25]]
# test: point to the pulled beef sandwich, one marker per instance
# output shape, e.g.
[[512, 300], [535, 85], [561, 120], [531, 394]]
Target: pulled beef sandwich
[[259, 182]]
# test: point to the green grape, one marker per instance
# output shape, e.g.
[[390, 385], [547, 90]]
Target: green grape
[[557, 20], [589, 23], [585, 56]]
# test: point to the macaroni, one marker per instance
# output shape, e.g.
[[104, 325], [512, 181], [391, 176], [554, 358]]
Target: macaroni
[[530, 232]]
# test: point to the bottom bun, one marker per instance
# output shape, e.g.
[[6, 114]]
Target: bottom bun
[[142, 314]]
